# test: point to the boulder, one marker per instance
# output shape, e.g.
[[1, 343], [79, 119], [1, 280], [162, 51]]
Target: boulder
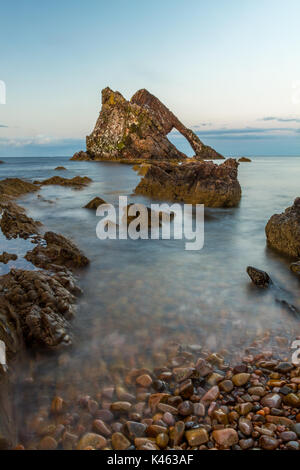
[[283, 231], [60, 168], [193, 182], [245, 159], [137, 129]]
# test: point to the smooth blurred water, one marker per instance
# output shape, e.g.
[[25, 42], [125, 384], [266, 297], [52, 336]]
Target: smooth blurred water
[[140, 294]]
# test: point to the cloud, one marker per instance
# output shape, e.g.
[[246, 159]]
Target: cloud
[[279, 119], [38, 141], [3, 125]]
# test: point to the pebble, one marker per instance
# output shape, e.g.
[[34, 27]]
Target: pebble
[[119, 441], [100, 427], [135, 429], [47, 443], [288, 436], [271, 400], [92, 440], [196, 437], [225, 437], [226, 386], [240, 379], [268, 442], [162, 440], [121, 406], [211, 395], [144, 380], [245, 426]]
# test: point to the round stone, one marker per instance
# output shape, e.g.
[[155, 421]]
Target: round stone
[[92, 440], [240, 379], [268, 442], [271, 400]]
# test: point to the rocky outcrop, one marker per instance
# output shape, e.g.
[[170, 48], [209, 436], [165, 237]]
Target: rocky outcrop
[[6, 257], [60, 168], [137, 129], [15, 223], [77, 181], [283, 231], [37, 307], [56, 251], [15, 187], [193, 183], [245, 159]]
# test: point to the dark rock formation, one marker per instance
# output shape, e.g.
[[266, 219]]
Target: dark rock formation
[[58, 251], [244, 159], [258, 277], [137, 129], [77, 181], [193, 182], [6, 257], [94, 203], [1, 162], [15, 222], [283, 231], [60, 168], [37, 306]]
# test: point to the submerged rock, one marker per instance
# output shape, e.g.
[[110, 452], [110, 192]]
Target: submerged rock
[[295, 267], [59, 251], [283, 231], [60, 168], [193, 182], [77, 181], [38, 306], [244, 159], [137, 129]]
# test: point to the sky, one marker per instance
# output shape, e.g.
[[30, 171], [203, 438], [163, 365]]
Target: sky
[[229, 69]]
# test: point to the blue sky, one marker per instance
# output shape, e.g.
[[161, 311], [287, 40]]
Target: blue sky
[[230, 69]]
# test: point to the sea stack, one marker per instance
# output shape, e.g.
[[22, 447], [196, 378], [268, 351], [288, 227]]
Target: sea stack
[[137, 130]]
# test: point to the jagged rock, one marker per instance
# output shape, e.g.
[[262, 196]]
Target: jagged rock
[[60, 168], [36, 306], [6, 257], [283, 231], [15, 222], [137, 129], [94, 203], [59, 251], [193, 182], [244, 159], [77, 181]]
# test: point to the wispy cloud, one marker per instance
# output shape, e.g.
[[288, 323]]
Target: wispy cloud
[[3, 125], [279, 119]]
